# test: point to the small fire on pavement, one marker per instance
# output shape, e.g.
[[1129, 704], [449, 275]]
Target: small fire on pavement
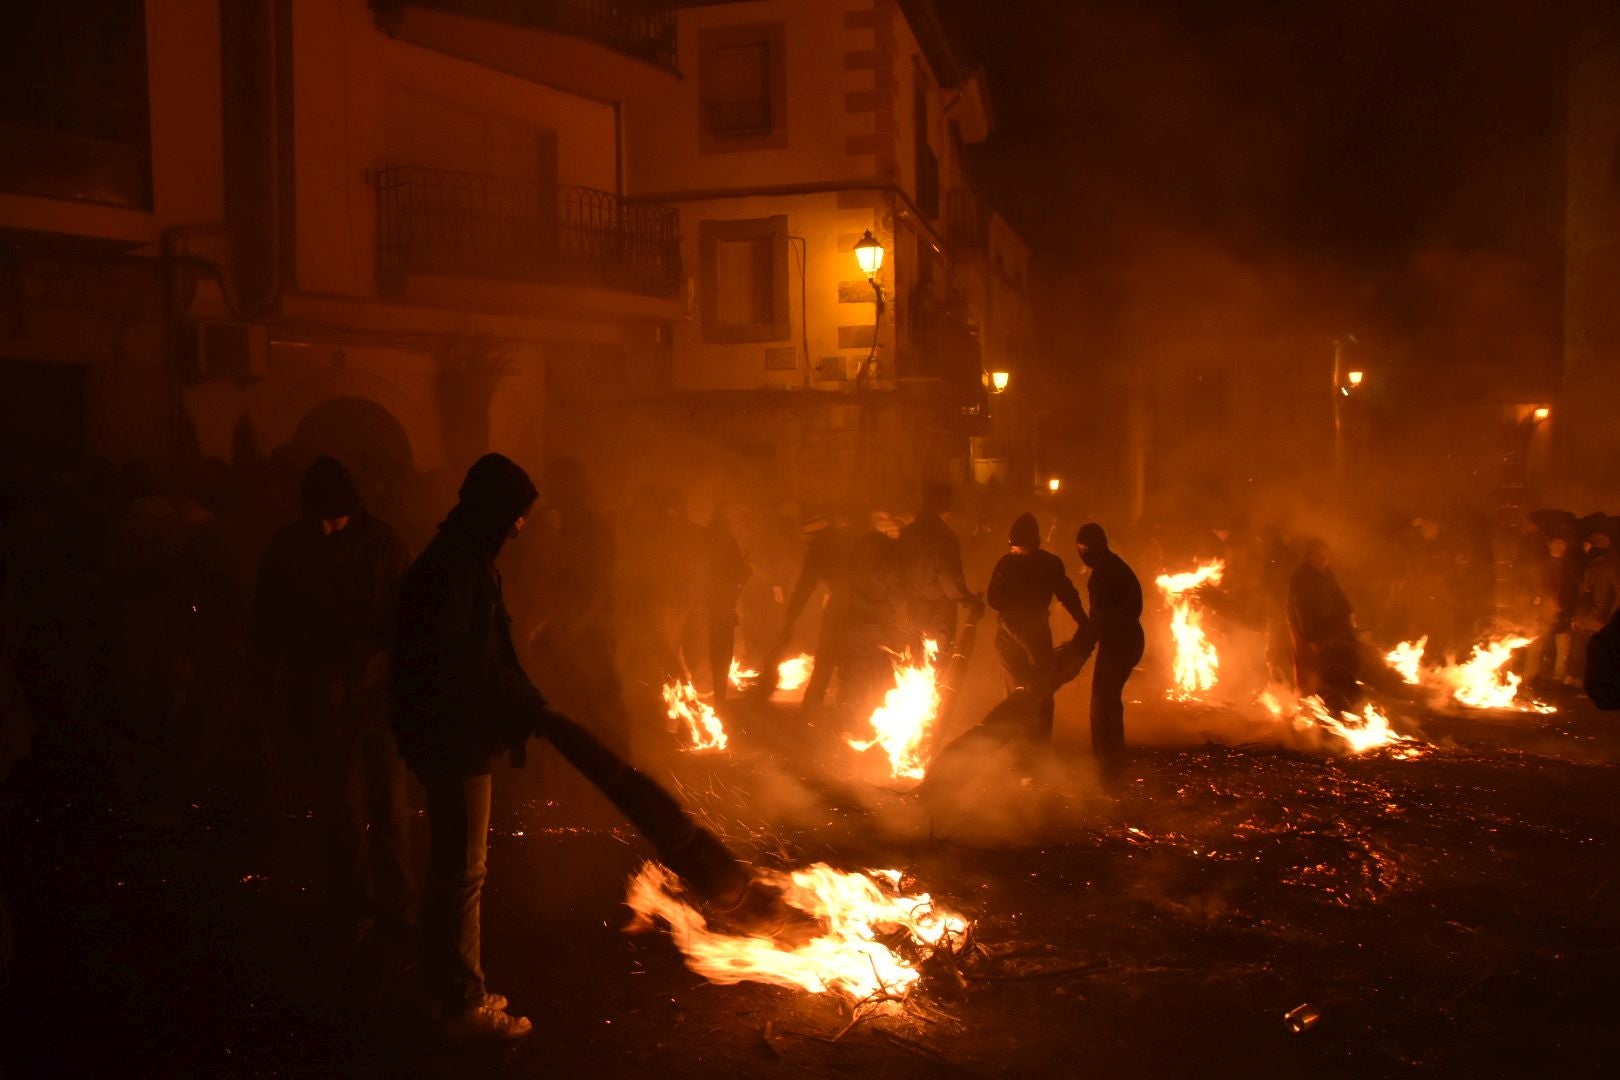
[[903, 723], [1480, 682], [1196, 663], [1360, 731], [704, 731], [790, 674], [874, 946]]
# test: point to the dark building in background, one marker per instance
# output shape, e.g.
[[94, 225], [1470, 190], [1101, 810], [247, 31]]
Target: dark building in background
[[1588, 415]]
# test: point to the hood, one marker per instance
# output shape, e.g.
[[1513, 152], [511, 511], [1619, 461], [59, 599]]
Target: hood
[[495, 494], [329, 490], [1092, 536], [1025, 532]]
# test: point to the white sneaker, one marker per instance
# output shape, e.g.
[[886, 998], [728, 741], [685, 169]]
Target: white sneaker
[[485, 1023]]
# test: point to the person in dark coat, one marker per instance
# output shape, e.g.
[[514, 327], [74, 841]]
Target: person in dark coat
[[1115, 627], [1597, 602], [459, 699], [872, 625], [931, 573], [1556, 585], [726, 570], [321, 625], [1022, 587], [1324, 631], [826, 565]]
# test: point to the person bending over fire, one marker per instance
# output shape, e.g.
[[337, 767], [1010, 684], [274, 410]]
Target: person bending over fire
[[1022, 588], [931, 574], [459, 699], [1324, 632], [1115, 627]]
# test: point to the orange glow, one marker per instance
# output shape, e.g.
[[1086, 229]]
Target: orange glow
[[1541, 413], [1196, 664], [1054, 485], [999, 381], [704, 731], [1355, 378], [1361, 731], [1481, 683], [867, 919], [1407, 660], [795, 673], [902, 724]]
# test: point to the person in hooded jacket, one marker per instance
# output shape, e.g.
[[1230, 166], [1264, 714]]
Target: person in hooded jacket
[[1022, 587], [1115, 627], [321, 624], [1326, 660], [931, 572], [459, 699]]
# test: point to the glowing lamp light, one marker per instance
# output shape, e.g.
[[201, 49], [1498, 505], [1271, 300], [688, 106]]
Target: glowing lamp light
[[999, 381], [1054, 485], [1540, 413], [869, 253], [1355, 377]]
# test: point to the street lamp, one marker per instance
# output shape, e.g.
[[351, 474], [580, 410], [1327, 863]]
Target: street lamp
[[1054, 485], [1355, 378], [1540, 413], [869, 253], [999, 381]]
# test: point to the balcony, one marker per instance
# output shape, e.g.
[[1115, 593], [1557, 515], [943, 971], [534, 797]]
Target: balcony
[[468, 225], [643, 29]]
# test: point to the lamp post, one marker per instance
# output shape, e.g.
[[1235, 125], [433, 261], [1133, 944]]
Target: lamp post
[[999, 381], [1344, 381], [869, 253]]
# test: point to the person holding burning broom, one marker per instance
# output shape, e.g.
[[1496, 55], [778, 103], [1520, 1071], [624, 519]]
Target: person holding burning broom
[[458, 700]]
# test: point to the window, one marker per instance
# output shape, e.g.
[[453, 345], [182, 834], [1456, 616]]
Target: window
[[743, 88], [73, 103], [740, 96], [744, 280]]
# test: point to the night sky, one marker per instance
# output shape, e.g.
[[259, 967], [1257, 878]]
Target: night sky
[[1357, 133]]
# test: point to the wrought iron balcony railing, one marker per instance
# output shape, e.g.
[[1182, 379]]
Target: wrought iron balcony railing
[[436, 221], [644, 29]]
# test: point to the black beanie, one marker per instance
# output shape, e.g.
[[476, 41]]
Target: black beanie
[[497, 490], [1025, 532], [1091, 535], [328, 490]]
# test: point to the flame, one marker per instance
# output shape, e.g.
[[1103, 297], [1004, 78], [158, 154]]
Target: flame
[[1361, 731], [739, 678], [902, 723], [703, 727], [853, 957], [1480, 683], [1407, 660], [1196, 662], [791, 674], [794, 674]]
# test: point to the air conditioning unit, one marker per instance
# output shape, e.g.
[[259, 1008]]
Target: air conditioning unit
[[232, 350]]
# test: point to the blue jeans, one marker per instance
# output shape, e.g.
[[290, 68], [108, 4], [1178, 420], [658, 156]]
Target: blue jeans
[[458, 827]]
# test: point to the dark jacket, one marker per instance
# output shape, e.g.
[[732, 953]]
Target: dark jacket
[[826, 562], [1600, 589], [1318, 610], [323, 612], [457, 694], [1022, 588], [1115, 621], [874, 581], [931, 563]]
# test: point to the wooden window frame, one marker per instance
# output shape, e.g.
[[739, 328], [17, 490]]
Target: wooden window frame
[[710, 234], [710, 42]]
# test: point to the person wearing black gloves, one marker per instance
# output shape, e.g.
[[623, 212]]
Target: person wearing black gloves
[[1115, 628]]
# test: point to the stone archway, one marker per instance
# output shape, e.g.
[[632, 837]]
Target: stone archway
[[372, 442]]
